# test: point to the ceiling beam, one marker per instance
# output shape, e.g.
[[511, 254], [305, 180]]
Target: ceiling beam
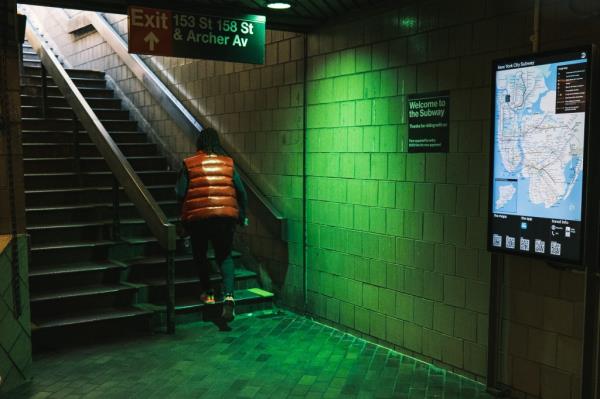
[[275, 20]]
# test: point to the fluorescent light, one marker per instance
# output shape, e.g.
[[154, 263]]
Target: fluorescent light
[[279, 5]]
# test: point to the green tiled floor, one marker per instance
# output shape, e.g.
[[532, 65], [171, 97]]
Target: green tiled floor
[[281, 356]]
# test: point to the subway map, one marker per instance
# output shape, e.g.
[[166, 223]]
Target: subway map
[[538, 159]]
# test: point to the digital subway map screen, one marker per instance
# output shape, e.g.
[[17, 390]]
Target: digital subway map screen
[[537, 176]]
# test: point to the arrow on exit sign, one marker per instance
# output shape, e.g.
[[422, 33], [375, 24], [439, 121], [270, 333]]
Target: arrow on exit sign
[[151, 39]]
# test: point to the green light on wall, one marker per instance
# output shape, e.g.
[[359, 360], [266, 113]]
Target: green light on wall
[[408, 22]]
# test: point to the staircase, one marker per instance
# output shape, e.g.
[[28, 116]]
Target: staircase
[[89, 276]]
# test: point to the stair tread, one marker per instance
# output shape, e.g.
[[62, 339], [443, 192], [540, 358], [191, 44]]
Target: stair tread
[[86, 206], [79, 291], [240, 296], [75, 244], [157, 282], [83, 144], [76, 267], [85, 224], [81, 189], [56, 87], [61, 97], [72, 78], [89, 316], [93, 158], [94, 173], [70, 131], [51, 108], [149, 260], [47, 119]]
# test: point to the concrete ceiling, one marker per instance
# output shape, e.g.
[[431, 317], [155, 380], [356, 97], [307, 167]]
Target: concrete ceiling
[[305, 15]]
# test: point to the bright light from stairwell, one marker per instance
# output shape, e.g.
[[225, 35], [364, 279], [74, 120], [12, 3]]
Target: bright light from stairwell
[[278, 5]]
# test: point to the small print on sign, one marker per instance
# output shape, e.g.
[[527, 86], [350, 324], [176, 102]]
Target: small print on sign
[[428, 122]]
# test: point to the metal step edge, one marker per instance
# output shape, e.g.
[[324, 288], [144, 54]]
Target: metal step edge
[[66, 268], [242, 296], [81, 292], [60, 97], [70, 120], [72, 78], [106, 222], [82, 132], [51, 108], [76, 244], [64, 321], [154, 283], [90, 158], [154, 260], [86, 144], [57, 88], [101, 173], [83, 189], [88, 206]]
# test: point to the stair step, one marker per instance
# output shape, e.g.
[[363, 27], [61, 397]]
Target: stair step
[[72, 268], [180, 280], [88, 195], [36, 90], [66, 136], [241, 297], [41, 181], [66, 124], [34, 80], [28, 63], [64, 164], [90, 212], [51, 150], [60, 101], [89, 316], [79, 292], [54, 112], [79, 244]]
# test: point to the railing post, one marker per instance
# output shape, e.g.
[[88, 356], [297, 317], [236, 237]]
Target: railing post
[[44, 92], [116, 203], [170, 292]]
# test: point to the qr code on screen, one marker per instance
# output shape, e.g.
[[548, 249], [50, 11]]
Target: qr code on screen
[[497, 240], [555, 248], [510, 242], [540, 246], [524, 244]]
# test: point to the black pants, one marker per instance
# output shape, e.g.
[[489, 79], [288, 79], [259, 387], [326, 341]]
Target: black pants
[[219, 231]]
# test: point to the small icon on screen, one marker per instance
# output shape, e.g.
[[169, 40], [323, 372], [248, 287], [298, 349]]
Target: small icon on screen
[[540, 246], [567, 232], [523, 225], [497, 240], [510, 242], [555, 248], [524, 244], [583, 54]]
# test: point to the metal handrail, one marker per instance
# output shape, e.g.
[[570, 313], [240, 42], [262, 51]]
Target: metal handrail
[[155, 218], [171, 104]]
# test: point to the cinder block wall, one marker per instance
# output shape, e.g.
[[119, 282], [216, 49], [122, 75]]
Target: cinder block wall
[[15, 332], [396, 241]]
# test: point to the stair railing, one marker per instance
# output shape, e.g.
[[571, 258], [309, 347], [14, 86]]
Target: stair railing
[[122, 170], [176, 110]]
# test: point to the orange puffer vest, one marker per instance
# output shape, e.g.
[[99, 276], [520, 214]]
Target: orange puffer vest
[[211, 192]]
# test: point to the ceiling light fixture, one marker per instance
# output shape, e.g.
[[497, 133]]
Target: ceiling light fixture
[[279, 5]]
